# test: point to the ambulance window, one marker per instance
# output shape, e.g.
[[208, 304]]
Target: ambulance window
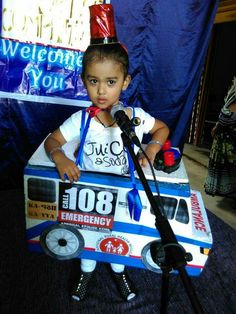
[[41, 190], [169, 204], [182, 212]]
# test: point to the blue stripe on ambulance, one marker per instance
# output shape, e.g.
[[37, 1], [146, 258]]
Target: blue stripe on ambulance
[[36, 231], [124, 228]]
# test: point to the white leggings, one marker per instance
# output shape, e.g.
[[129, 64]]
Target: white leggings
[[88, 265]]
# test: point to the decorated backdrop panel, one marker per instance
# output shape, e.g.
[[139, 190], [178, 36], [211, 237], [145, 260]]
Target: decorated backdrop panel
[[42, 44]]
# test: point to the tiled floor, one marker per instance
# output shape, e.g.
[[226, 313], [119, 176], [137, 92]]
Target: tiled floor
[[196, 161]]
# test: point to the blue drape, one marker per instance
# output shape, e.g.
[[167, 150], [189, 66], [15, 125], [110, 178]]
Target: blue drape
[[167, 42]]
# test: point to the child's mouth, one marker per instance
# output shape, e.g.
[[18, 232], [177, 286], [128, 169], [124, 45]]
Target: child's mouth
[[101, 100]]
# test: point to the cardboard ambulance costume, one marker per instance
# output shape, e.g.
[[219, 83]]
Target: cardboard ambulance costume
[[90, 219]]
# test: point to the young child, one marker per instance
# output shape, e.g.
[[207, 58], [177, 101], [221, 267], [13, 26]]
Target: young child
[[105, 76]]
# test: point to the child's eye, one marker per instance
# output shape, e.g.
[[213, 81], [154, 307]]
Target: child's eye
[[111, 82], [93, 81]]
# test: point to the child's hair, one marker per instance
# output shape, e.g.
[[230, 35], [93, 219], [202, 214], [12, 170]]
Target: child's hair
[[113, 51]]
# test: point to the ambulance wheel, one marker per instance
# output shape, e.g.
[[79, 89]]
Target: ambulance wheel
[[62, 242]]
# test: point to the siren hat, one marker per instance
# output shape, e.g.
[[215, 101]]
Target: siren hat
[[102, 25]]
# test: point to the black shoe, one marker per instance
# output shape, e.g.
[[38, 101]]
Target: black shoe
[[125, 286], [80, 290]]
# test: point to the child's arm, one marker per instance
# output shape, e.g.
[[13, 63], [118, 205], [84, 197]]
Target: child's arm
[[65, 166], [160, 132]]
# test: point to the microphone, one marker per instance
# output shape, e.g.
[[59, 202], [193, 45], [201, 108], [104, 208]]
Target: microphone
[[123, 121]]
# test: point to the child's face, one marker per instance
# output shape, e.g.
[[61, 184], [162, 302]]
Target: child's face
[[104, 81]]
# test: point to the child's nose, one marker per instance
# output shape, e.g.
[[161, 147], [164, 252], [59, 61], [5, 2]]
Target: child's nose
[[101, 89]]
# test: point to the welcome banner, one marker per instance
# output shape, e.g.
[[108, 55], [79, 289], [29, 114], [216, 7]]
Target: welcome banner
[[41, 49]]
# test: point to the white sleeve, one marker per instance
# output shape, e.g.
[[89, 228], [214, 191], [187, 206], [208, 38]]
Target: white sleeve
[[147, 121], [70, 128]]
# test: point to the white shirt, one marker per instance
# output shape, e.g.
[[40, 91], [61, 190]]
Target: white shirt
[[103, 149]]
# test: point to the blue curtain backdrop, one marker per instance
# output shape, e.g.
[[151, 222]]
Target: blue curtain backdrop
[[167, 42]]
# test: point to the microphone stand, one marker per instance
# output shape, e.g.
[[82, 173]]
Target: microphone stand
[[174, 256]]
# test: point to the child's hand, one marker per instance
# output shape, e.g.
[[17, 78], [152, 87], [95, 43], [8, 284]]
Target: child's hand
[[151, 151], [66, 166]]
